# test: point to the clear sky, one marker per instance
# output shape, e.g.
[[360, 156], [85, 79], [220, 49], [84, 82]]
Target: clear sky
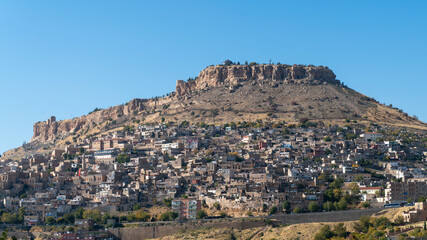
[[64, 58]]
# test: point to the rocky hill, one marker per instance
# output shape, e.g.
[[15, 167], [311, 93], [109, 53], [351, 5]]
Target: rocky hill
[[223, 94]]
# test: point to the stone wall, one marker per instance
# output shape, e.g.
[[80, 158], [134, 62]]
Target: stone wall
[[335, 216], [157, 230]]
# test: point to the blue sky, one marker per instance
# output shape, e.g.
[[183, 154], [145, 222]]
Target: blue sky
[[64, 58]]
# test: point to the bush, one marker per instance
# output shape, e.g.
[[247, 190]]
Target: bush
[[313, 207], [142, 216], [136, 207], [340, 230], [201, 214], [366, 204], [168, 216], [217, 206], [298, 210], [123, 158], [273, 210], [50, 220], [286, 205], [363, 224], [95, 214], [264, 207], [68, 218], [328, 206], [341, 205], [324, 233], [168, 202]]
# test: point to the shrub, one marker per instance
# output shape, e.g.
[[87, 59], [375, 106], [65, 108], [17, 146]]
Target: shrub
[[273, 210], [201, 214], [136, 207], [123, 158], [313, 207], [366, 204], [168, 216], [324, 233], [217, 206], [50, 220], [297, 210]]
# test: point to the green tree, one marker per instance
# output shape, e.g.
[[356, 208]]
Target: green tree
[[382, 222], [21, 214], [366, 204], [4, 235], [105, 217], [123, 158], [286, 205], [340, 230], [81, 150], [324, 233], [136, 207], [201, 214], [50, 220], [79, 213], [422, 199], [313, 207], [142, 216], [9, 217], [95, 214], [355, 190], [273, 210], [297, 210], [341, 205], [363, 224], [167, 202], [328, 206], [264, 207], [68, 218], [167, 216], [128, 129]]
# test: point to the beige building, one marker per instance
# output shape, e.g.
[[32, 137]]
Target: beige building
[[416, 214]]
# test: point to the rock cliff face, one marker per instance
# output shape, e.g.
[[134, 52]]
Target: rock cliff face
[[213, 76], [216, 76], [222, 94], [51, 129]]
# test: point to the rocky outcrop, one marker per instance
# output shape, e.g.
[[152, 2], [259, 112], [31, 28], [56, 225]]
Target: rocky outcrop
[[215, 76], [52, 129]]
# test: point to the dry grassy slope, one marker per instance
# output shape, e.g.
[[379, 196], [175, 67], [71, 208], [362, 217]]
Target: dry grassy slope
[[252, 101], [288, 102], [295, 231], [298, 231]]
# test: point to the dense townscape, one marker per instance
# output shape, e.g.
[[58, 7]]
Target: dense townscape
[[246, 167]]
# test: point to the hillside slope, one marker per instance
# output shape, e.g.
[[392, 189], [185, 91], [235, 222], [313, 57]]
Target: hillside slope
[[223, 94]]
